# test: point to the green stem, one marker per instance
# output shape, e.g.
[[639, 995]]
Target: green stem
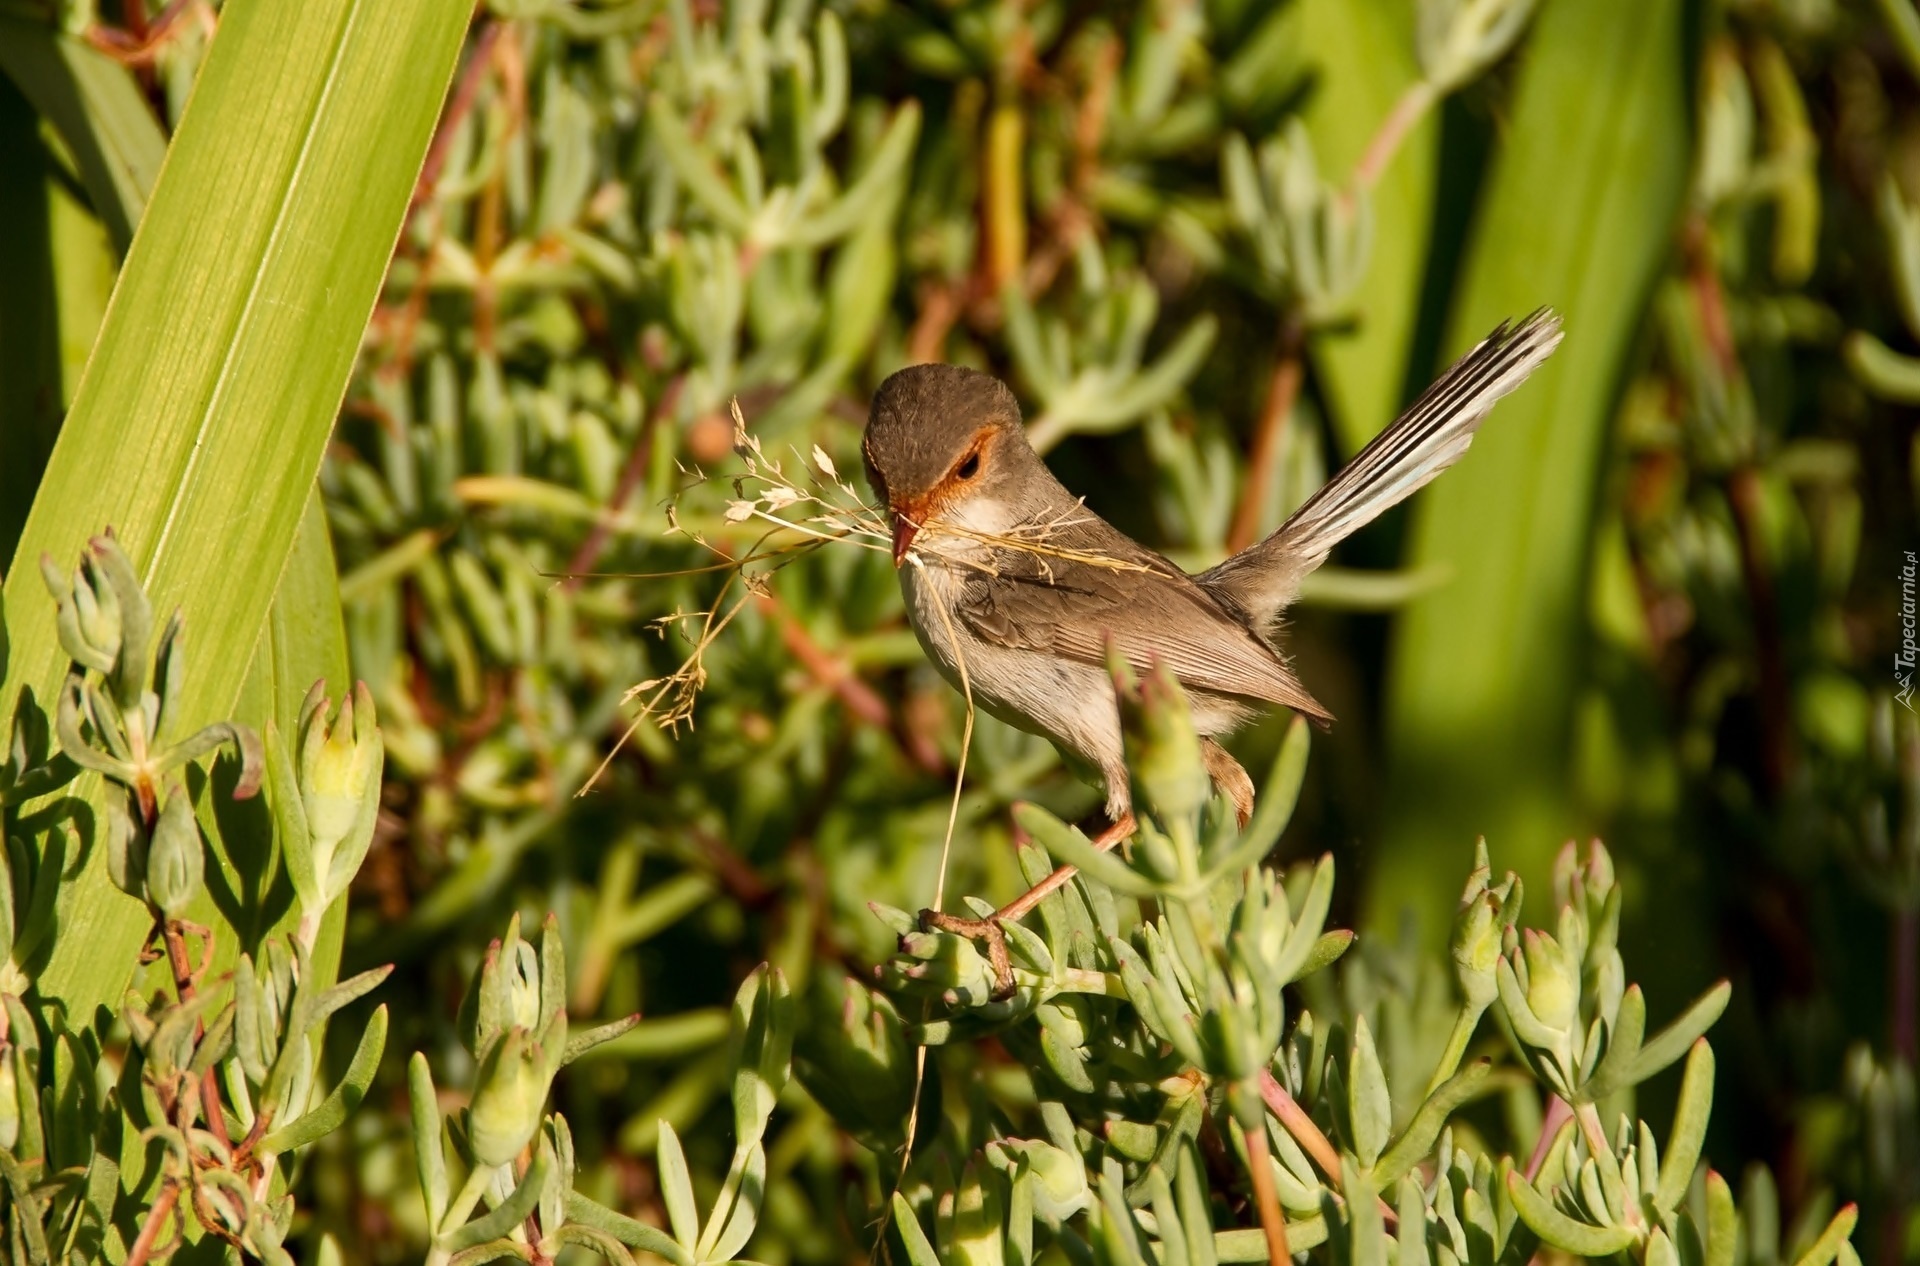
[[1463, 1026], [722, 1205], [1588, 1115], [459, 1211]]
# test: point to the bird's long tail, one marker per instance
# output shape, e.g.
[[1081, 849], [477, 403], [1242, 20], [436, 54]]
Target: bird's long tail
[[1425, 440]]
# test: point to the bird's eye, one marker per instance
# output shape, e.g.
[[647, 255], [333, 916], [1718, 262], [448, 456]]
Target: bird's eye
[[970, 467]]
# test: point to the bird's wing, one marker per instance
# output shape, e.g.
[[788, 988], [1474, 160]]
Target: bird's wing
[[1151, 610]]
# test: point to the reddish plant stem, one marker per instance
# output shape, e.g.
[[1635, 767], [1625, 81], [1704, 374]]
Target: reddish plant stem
[[464, 93], [940, 306], [828, 670], [1595, 1134], [1558, 1114], [1294, 1120], [742, 882], [1282, 390], [1406, 113], [133, 13], [163, 1205], [183, 973], [139, 44], [1265, 1198]]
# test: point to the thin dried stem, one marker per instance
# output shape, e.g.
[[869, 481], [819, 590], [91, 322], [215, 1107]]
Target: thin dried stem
[[939, 898]]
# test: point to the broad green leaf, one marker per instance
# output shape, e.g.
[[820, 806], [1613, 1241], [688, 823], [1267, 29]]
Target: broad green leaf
[[303, 641], [1578, 214], [201, 420], [19, 1189]]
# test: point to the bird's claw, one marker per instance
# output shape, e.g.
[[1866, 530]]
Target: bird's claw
[[985, 931]]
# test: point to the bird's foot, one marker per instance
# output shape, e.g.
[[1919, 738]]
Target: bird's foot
[[987, 932]]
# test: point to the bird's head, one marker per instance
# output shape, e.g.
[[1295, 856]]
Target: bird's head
[[941, 440]]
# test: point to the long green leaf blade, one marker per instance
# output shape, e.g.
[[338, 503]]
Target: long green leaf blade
[[200, 424], [1578, 215]]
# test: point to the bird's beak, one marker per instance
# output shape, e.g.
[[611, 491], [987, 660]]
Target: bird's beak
[[904, 530]]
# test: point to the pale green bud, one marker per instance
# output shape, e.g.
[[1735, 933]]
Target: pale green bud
[[943, 963], [127, 849], [509, 1100], [510, 1094], [176, 862], [340, 766], [518, 979], [88, 620], [1163, 751], [1553, 991], [1476, 947], [1060, 1179], [515, 988], [1481, 930]]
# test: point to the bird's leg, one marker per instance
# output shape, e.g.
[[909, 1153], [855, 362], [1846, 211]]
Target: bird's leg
[[1229, 779], [989, 931]]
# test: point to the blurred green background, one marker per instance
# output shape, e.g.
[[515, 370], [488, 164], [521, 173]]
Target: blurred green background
[[1214, 245]]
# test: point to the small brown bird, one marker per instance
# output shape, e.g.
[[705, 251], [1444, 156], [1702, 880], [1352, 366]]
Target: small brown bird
[[1015, 582]]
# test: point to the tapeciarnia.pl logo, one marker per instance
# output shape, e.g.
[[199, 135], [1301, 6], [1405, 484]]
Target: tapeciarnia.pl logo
[[1909, 652]]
